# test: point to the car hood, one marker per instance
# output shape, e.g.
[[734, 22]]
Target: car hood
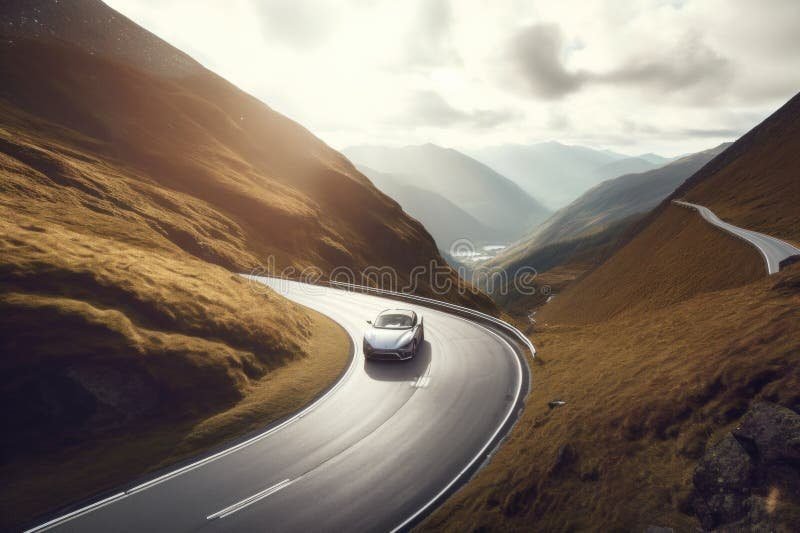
[[388, 339]]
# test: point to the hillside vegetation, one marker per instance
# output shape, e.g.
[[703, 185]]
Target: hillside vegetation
[[675, 340], [685, 256], [646, 395], [557, 265]]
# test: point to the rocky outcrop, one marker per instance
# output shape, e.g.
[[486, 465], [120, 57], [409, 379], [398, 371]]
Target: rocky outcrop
[[722, 482], [771, 431], [751, 477]]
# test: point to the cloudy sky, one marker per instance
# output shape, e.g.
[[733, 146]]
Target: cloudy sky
[[667, 76]]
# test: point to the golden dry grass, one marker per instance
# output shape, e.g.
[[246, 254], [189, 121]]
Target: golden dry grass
[[211, 168], [549, 283], [674, 258], [645, 393], [110, 345], [657, 352]]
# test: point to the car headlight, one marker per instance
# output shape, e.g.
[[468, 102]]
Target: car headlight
[[408, 345], [367, 347]]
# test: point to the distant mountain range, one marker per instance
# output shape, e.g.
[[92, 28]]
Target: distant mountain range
[[503, 210], [611, 201], [442, 218], [558, 173]]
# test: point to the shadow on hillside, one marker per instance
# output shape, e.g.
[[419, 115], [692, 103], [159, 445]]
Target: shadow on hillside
[[401, 370]]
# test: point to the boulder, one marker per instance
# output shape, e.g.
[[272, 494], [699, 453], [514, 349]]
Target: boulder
[[725, 467], [722, 482], [773, 431]]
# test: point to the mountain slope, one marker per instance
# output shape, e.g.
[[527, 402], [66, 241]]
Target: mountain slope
[[135, 185], [755, 184], [555, 172], [612, 200], [660, 354], [445, 221], [752, 184], [475, 188]]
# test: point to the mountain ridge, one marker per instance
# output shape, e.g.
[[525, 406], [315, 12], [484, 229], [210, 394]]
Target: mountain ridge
[[446, 222], [556, 171], [474, 187], [610, 201]]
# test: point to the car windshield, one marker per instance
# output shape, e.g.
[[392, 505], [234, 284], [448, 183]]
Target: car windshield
[[393, 321]]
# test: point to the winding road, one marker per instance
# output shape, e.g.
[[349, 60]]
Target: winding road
[[772, 249], [377, 452]]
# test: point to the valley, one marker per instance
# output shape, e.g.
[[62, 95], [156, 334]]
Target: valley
[[591, 251], [658, 350]]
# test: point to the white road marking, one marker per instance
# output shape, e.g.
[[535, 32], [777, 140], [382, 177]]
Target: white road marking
[[202, 462], [485, 447], [79, 512], [421, 382], [238, 506], [271, 490]]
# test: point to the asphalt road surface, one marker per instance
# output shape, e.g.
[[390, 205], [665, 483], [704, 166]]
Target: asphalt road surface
[[372, 455], [772, 249]]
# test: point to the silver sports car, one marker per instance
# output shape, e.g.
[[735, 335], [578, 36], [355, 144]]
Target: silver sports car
[[396, 334]]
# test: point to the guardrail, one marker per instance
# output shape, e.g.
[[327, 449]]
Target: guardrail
[[776, 252], [514, 411], [432, 302]]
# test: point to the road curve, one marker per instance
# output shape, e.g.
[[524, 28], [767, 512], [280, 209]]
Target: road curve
[[374, 454], [772, 249]]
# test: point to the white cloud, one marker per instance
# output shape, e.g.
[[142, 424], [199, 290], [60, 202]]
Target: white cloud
[[687, 74]]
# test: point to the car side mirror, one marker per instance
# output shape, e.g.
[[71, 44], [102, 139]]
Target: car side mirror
[[369, 321]]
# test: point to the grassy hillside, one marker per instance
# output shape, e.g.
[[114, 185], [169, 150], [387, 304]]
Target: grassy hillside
[[282, 191], [558, 265], [647, 394], [679, 247], [659, 353], [126, 337], [135, 185], [754, 184]]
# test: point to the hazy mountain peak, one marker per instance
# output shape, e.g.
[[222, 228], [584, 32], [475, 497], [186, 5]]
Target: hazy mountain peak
[[483, 193], [612, 201], [555, 172]]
